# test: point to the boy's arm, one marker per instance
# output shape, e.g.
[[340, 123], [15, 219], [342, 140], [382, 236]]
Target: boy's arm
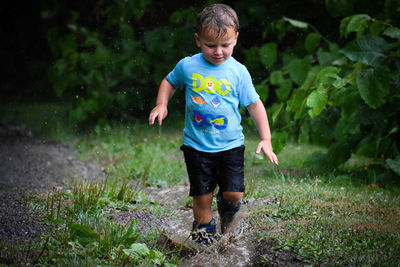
[[164, 94], [259, 115]]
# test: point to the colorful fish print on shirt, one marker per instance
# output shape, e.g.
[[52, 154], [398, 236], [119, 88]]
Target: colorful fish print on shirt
[[199, 100], [216, 101], [220, 122]]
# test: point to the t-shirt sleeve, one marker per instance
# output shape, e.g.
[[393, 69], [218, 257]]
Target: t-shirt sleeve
[[176, 76], [247, 92]]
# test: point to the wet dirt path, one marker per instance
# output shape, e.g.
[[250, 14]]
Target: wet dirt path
[[31, 165]]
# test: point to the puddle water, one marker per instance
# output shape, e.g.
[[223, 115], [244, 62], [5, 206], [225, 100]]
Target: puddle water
[[227, 251]]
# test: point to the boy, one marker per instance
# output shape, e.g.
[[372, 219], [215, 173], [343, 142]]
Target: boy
[[213, 143]]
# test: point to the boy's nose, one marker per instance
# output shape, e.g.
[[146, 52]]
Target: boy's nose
[[218, 50]]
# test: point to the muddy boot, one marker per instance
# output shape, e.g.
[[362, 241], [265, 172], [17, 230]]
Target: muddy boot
[[227, 213], [204, 233]]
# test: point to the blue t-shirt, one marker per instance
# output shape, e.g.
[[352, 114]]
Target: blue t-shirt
[[213, 94]]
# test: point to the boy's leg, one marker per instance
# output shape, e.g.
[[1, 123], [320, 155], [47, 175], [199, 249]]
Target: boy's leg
[[232, 198], [231, 188], [202, 208], [204, 226], [229, 204]]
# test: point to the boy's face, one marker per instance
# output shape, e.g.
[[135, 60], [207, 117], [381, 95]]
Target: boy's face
[[216, 49]]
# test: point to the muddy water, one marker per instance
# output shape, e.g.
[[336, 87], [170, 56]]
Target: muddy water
[[227, 251]]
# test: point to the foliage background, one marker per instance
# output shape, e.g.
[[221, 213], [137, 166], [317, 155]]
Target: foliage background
[[328, 71]]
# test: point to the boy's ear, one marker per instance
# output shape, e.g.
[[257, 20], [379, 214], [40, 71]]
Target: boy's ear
[[196, 37]]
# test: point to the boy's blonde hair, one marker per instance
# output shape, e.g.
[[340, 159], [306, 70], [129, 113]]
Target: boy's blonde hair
[[217, 18]]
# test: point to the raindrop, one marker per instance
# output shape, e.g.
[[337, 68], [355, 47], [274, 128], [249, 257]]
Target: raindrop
[[77, 96]]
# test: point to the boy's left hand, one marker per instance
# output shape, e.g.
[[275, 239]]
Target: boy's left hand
[[266, 147]]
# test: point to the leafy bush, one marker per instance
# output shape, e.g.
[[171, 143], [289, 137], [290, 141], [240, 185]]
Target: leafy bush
[[345, 98], [112, 72]]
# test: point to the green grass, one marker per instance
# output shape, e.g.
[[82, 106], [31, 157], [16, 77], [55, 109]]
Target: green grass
[[328, 219]]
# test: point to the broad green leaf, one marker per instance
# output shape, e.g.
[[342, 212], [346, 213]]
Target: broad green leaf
[[279, 140], [126, 31], [348, 99], [137, 250], [252, 59], [376, 27], [332, 57], [367, 49], [262, 90], [284, 89], [340, 151], [339, 83], [83, 233], [155, 254], [296, 102], [358, 23], [368, 146], [312, 42], [343, 26], [328, 75], [310, 78], [298, 70], [347, 125], [394, 165], [277, 111], [297, 23], [276, 77], [317, 101], [373, 86], [392, 32], [268, 54]]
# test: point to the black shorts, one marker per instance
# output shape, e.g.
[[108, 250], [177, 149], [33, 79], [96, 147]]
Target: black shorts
[[207, 170]]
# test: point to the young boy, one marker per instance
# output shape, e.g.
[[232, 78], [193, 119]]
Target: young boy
[[213, 143]]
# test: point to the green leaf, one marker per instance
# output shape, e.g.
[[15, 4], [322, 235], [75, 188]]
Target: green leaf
[[284, 89], [358, 23], [317, 101], [296, 102], [268, 54], [347, 125], [297, 23], [392, 32], [310, 78], [312, 42], [276, 77], [373, 86], [343, 26], [298, 69], [262, 90], [328, 75], [279, 140], [367, 49], [394, 165], [137, 250], [376, 27], [277, 111], [340, 151], [83, 233]]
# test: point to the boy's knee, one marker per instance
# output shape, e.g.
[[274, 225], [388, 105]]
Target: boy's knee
[[232, 198]]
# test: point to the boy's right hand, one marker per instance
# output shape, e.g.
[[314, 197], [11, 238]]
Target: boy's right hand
[[160, 112]]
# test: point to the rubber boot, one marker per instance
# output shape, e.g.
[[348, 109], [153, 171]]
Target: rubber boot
[[204, 233], [227, 213]]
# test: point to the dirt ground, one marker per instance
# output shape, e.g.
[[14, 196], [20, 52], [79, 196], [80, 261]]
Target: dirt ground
[[30, 165]]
